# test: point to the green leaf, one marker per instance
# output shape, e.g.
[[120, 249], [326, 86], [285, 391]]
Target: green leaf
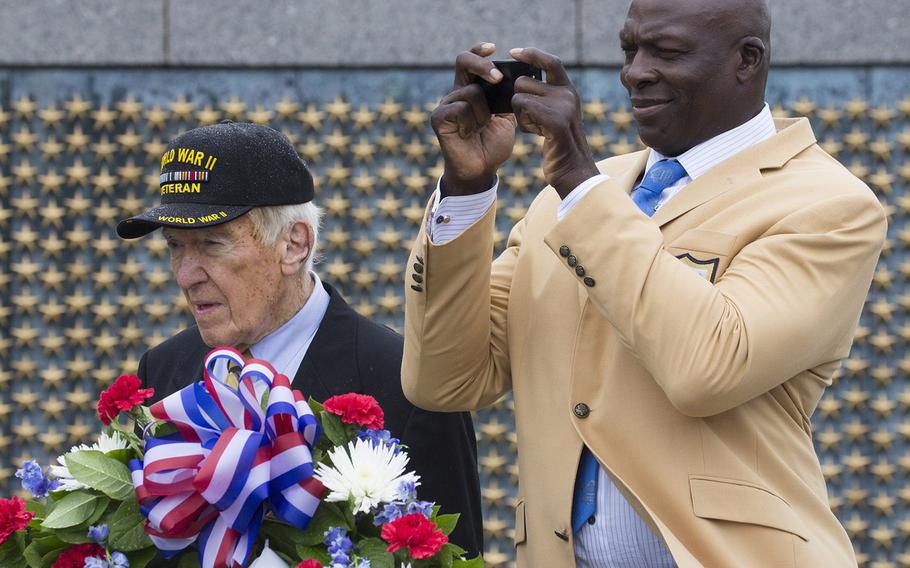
[[189, 559], [122, 456], [456, 550], [313, 553], [70, 511], [141, 558], [127, 528], [375, 551], [36, 507], [476, 562], [328, 515], [100, 508], [282, 537], [11, 554], [333, 428], [101, 472], [447, 522], [74, 535]]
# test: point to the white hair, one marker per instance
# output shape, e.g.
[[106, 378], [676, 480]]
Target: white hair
[[270, 222]]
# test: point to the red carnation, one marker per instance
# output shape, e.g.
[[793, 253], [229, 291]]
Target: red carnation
[[74, 556], [13, 517], [121, 396], [420, 535], [360, 409], [309, 564]]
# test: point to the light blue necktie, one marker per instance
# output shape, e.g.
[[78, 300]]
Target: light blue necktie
[[662, 175]]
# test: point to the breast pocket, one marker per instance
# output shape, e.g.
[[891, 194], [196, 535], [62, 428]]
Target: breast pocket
[[706, 252]]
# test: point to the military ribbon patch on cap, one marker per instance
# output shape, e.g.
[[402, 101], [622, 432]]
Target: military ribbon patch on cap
[[168, 177]]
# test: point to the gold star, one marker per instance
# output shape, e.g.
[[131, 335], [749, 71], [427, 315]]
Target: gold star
[[53, 246], [364, 279], [363, 118], [337, 141], [829, 116], [338, 109], [413, 213], [130, 334], [52, 375], [883, 374], [828, 439], [415, 118], [622, 146], [26, 204], [363, 183], [51, 312], [259, 115], [207, 115], [286, 108], [362, 150], [51, 149], [882, 116], [389, 174], [234, 108], [856, 108], [310, 150], [855, 526], [157, 279], [390, 238], [52, 343], [884, 504], [882, 180], [882, 439], [389, 110], [389, 271], [338, 174], [25, 302], [831, 146], [104, 182], [856, 462], [24, 138], [78, 270], [51, 116], [4, 152], [156, 245], [156, 118], [416, 183], [25, 106], [337, 237], [51, 438], [24, 172], [595, 110], [4, 118], [389, 142], [130, 140], [362, 214], [803, 107], [79, 430], [78, 174], [104, 118], [390, 302], [105, 343], [130, 108], [182, 109], [311, 118], [855, 430], [77, 140], [622, 119], [389, 205], [77, 302], [130, 205], [883, 470], [338, 270], [365, 309], [414, 150], [157, 310], [336, 205], [364, 247], [24, 430], [130, 302], [77, 106]]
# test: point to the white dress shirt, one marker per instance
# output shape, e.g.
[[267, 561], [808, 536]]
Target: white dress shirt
[[618, 537], [286, 347]]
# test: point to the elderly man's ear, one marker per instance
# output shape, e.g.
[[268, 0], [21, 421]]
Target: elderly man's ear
[[296, 247]]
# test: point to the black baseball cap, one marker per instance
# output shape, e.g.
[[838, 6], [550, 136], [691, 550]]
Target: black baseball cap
[[214, 174]]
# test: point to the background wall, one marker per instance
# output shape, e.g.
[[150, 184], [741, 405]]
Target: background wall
[[91, 91]]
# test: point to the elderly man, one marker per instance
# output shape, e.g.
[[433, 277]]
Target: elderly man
[[667, 320], [237, 213]]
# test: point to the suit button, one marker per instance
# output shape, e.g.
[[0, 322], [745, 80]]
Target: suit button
[[580, 270], [416, 288], [418, 268], [564, 250], [581, 410], [417, 278], [589, 282], [563, 534], [572, 260], [420, 260]]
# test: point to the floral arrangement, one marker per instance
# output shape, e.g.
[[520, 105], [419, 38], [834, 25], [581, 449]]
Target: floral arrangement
[[217, 476]]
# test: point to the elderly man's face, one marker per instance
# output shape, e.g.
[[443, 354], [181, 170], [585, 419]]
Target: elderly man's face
[[233, 284], [680, 71]]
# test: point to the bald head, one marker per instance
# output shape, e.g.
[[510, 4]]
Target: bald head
[[694, 68]]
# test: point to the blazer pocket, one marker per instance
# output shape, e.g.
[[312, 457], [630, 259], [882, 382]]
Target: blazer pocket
[[702, 240], [742, 502], [520, 531]]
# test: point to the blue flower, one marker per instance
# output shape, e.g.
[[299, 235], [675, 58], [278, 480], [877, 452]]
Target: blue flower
[[95, 562], [38, 483], [99, 534], [380, 438], [119, 560], [425, 508], [407, 491], [363, 563], [388, 514]]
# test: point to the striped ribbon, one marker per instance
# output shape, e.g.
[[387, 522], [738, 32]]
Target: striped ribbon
[[235, 453]]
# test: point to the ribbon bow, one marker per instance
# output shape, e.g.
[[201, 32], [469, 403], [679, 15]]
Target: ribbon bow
[[235, 452]]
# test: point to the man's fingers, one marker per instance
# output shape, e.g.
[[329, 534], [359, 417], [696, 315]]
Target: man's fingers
[[530, 85], [473, 96], [529, 113], [474, 63], [457, 115], [556, 73]]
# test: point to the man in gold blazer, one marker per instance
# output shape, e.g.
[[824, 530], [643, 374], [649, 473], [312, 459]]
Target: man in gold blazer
[[683, 353]]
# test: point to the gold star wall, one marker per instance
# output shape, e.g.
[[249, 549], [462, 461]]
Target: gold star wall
[[79, 306]]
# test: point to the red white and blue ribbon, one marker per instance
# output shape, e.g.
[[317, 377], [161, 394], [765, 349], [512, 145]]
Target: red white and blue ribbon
[[235, 453]]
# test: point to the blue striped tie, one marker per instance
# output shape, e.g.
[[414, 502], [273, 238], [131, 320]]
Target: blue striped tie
[[662, 175]]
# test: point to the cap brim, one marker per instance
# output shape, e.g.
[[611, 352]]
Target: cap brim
[[179, 215]]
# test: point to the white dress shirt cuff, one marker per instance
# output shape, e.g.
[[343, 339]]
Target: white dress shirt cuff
[[450, 216], [569, 202]]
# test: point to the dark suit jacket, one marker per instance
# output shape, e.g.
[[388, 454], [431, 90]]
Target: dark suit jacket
[[350, 353]]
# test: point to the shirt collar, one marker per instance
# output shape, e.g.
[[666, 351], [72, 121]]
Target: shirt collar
[[285, 343], [710, 153]]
